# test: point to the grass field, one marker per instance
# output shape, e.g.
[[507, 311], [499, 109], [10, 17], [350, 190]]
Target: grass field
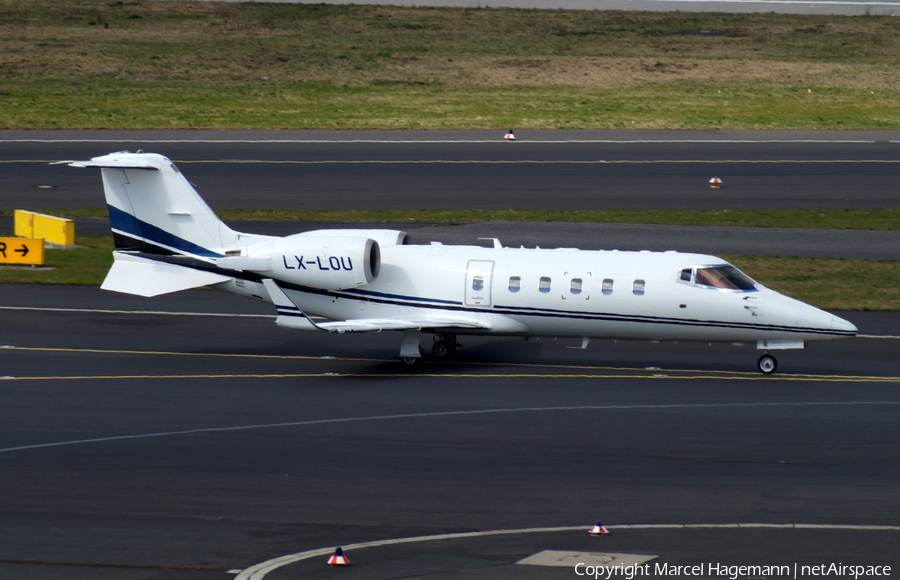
[[143, 64], [845, 219], [107, 64]]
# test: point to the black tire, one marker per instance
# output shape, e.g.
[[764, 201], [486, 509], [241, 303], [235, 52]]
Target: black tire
[[443, 349], [767, 364]]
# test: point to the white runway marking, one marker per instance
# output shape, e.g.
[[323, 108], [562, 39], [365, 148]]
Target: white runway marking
[[148, 312], [440, 414], [259, 571]]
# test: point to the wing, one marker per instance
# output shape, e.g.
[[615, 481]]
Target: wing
[[379, 324], [291, 316]]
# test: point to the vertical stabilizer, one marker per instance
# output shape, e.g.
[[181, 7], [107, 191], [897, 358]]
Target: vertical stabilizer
[[154, 209]]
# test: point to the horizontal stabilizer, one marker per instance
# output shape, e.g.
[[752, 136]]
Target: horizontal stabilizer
[[108, 162], [131, 274]]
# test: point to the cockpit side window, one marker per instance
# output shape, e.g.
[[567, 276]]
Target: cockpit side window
[[725, 277]]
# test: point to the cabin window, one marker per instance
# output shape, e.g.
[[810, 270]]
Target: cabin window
[[575, 286], [478, 283], [638, 287], [607, 287], [515, 283], [725, 277], [544, 285]]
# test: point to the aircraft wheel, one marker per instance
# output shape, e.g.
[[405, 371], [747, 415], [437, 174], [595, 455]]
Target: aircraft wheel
[[767, 364], [444, 349], [411, 360]]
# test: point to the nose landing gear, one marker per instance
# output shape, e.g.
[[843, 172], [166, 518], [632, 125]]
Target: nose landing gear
[[767, 364]]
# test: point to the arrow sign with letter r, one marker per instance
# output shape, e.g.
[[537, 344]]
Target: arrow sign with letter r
[[21, 251]]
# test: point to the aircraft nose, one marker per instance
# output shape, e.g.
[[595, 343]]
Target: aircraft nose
[[812, 317], [842, 325], [805, 319]]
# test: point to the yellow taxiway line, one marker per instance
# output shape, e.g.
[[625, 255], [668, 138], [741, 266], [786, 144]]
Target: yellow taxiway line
[[432, 370]]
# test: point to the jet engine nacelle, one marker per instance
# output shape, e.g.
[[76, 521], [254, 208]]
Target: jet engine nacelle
[[326, 263], [385, 238]]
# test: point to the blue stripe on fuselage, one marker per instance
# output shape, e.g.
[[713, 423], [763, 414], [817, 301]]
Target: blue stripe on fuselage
[[422, 302], [399, 298]]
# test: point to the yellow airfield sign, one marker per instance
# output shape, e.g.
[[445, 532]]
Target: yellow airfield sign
[[21, 251]]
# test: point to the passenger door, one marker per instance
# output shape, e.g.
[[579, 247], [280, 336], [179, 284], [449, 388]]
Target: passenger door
[[478, 283]]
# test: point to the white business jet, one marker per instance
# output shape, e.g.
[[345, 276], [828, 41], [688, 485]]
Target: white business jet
[[363, 280]]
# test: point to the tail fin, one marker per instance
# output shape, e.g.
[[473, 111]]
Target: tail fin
[[155, 213], [154, 209]]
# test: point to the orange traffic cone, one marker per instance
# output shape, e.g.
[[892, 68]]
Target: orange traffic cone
[[338, 559], [599, 530], [510, 136], [716, 183]]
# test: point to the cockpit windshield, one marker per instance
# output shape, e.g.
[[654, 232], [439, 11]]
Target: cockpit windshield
[[726, 277]]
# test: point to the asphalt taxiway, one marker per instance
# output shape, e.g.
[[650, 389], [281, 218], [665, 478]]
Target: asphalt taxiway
[[556, 170], [461, 170], [188, 437]]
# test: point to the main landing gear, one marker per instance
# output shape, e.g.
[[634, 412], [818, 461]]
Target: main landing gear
[[767, 364], [444, 348]]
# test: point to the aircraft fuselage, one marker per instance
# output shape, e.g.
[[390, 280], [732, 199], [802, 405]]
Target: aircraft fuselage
[[573, 293]]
